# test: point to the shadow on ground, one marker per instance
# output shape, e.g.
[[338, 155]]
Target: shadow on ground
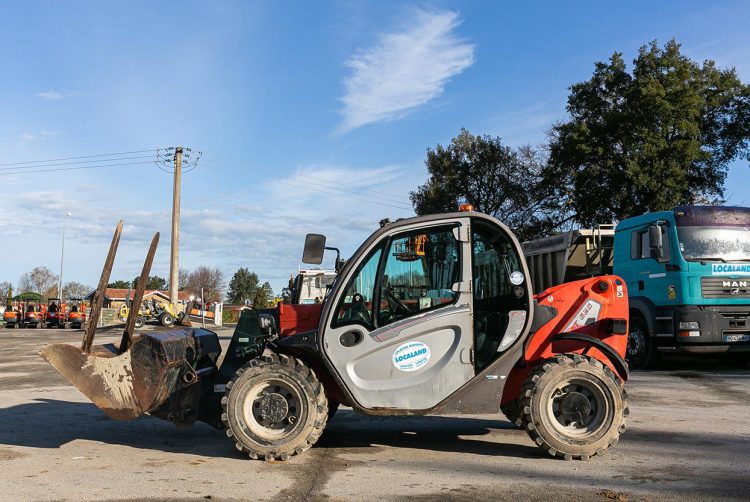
[[51, 423]]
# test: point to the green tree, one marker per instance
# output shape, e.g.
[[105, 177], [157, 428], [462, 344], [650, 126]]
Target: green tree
[[648, 139], [494, 178], [245, 285], [120, 284], [154, 282], [263, 296]]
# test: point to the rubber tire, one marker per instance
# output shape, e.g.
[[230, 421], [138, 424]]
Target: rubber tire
[[647, 357], [139, 322], [166, 320], [512, 412], [544, 379], [315, 405]]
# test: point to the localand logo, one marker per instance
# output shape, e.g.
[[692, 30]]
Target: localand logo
[[411, 356], [729, 268]]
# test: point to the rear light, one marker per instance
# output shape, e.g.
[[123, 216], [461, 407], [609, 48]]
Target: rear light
[[689, 333], [465, 208]]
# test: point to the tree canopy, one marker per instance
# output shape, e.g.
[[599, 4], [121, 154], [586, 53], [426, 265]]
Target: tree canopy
[[120, 284], [154, 282], [245, 285], [648, 139], [496, 179], [208, 279]]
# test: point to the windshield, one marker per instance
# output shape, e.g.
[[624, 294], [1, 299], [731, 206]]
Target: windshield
[[720, 243]]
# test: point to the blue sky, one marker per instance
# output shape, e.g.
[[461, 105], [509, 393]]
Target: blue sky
[[311, 116]]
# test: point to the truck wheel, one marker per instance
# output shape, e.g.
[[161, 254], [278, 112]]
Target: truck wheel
[[166, 320], [574, 407], [641, 353], [139, 322], [274, 407], [512, 412]]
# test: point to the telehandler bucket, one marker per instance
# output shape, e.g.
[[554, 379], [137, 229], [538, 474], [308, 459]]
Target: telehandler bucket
[[135, 377]]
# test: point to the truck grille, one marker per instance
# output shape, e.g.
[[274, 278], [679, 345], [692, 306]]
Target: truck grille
[[724, 287]]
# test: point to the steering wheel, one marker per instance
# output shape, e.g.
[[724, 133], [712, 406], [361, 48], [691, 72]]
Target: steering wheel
[[395, 304]]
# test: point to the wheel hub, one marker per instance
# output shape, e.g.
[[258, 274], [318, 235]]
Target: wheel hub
[[272, 408], [636, 342], [575, 407]]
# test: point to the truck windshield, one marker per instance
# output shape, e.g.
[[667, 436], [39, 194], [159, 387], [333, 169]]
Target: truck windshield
[[719, 243]]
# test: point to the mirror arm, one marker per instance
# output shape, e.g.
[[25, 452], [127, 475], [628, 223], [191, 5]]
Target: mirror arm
[[338, 256]]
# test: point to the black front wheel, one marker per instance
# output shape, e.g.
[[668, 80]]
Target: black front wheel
[[641, 353], [274, 408], [573, 407]]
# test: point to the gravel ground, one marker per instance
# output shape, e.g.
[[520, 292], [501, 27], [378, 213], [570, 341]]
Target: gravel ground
[[688, 438]]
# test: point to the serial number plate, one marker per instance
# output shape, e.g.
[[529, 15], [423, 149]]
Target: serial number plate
[[737, 338]]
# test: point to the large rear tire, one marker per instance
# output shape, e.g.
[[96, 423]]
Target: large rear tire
[[641, 353], [274, 408], [574, 407]]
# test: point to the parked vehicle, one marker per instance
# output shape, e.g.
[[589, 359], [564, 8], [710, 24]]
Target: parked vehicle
[[54, 316], [688, 277], [76, 315], [33, 316], [13, 318], [553, 362]]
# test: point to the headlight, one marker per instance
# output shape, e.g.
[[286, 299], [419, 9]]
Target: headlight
[[690, 325]]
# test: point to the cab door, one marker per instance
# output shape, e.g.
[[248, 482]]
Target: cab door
[[400, 333]]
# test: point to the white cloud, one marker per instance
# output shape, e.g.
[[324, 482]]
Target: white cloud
[[32, 136], [404, 69], [265, 234], [51, 95]]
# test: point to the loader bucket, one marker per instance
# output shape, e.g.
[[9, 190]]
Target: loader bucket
[[128, 385]]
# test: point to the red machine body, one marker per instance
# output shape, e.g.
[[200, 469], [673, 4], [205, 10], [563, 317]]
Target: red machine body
[[595, 307]]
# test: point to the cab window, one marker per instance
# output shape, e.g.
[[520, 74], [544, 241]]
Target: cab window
[[356, 305], [419, 273]]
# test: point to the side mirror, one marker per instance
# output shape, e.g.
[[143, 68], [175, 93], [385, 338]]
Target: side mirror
[[315, 245], [655, 244]]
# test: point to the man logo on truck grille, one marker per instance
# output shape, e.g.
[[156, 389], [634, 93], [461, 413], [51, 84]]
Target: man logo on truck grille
[[735, 285]]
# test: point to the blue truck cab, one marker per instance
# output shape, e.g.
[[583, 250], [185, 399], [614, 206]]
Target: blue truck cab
[[688, 278]]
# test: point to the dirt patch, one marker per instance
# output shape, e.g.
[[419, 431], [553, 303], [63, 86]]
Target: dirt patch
[[525, 492], [718, 387], [8, 454]]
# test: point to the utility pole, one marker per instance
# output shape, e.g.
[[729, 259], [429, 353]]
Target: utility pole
[[174, 261], [175, 163]]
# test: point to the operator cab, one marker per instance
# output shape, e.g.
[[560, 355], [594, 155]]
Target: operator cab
[[427, 304]]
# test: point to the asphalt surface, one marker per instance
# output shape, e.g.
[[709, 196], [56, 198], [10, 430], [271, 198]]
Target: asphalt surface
[[688, 438]]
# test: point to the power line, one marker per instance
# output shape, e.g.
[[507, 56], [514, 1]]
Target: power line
[[76, 163], [79, 157], [72, 168]]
